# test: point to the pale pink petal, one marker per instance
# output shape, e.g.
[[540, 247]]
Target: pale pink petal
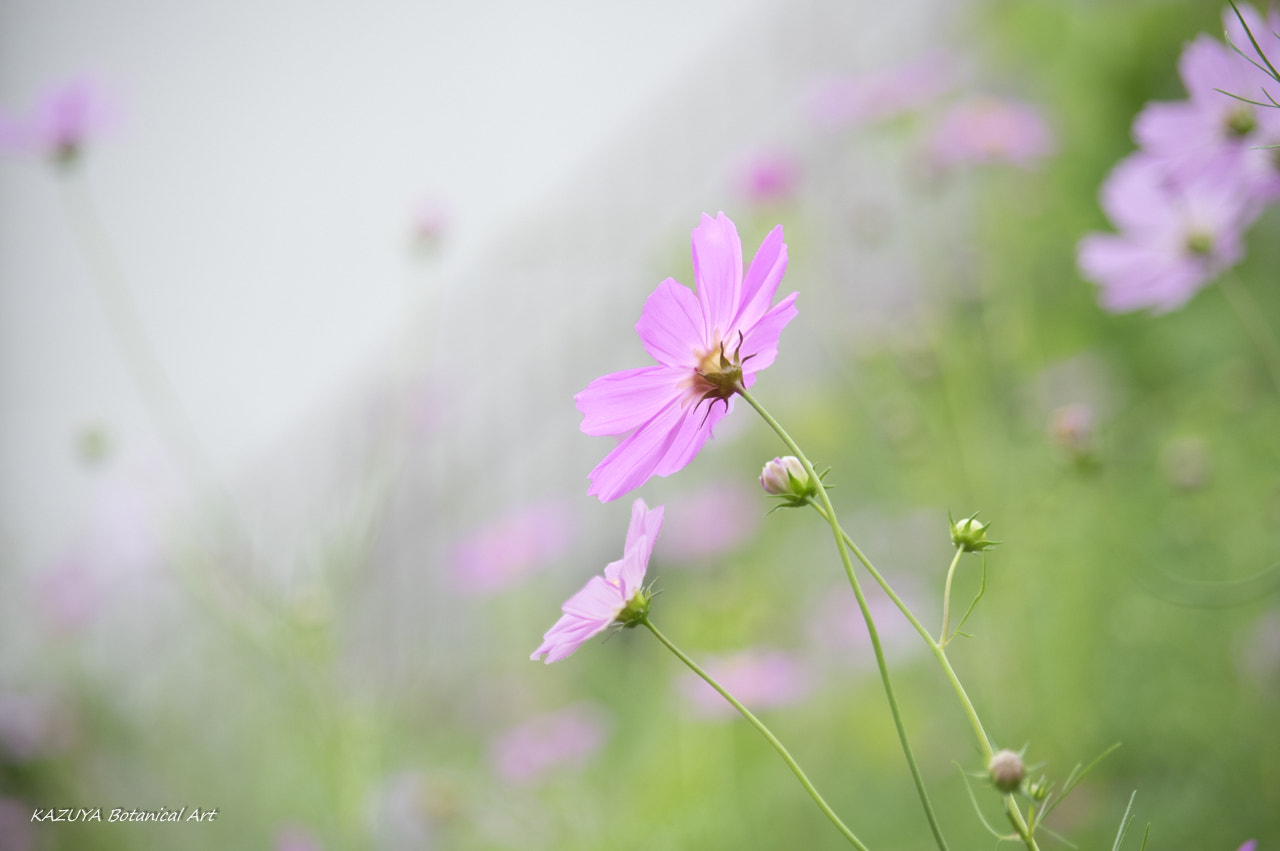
[[671, 325], [717, 268], [760, 343], [1135, 196], [1171, 128], [597, 599], [692, 434], [761, 283], [633, 460], [644, 522], [627, 573], [1134, 275], [623, 401], [1265, 33], [1207, 65]]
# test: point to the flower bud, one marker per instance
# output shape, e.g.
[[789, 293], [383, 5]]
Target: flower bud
[[1006, 770], [970, 534], [786, 477]]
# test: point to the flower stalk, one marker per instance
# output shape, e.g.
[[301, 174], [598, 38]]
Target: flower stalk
[[843, 543], [938, 649], [764, 731]]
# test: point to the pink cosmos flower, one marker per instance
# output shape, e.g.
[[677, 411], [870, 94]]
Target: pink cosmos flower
[[839, 632], [990, 130], [1176, 234], [769, 178], [1212, 131], [709, 521], [33, 726], [707, 346], [590, 612], [512, 548], [1251, 845], [568, 737], [64, 118], [884, 93], [759, 679], [16, 833], [428, 225]]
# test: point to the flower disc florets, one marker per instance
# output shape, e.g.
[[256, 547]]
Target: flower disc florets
[[970, 534], [720, 374]]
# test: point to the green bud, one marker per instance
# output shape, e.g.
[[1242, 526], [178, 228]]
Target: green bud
[[970, 534], [1006, 770]]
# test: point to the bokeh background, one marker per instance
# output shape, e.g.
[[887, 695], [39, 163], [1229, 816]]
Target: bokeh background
[[280, 540]]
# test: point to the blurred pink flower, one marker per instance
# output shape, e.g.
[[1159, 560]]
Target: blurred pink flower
[[1212, 131], [16, 833], [705, 346], [837, 627], [1267, 35], [33, 726], [1176, 234], [1251, 845], [1071, 428], [590, 611], [512, 548], [428, 224], [525, 754], [769, 177], [709, 521], [292, 837], [759, 679], [64, 118], [119, 545], [882, 94], [400, 812], [986, 129]]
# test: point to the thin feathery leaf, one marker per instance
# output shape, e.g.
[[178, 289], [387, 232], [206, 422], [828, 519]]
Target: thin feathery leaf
[[1076, 775], [1060, 837], [1246, 100], [1145, 836], [1124, 823], [972, 799], [1274, 74], [982, 589]]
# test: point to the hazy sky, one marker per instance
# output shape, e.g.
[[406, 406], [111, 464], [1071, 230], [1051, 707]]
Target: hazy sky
[[258, 182]]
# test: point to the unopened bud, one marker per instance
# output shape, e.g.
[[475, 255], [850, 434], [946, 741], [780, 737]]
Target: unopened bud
[[1006, 770], [970, 534], [787, 477]]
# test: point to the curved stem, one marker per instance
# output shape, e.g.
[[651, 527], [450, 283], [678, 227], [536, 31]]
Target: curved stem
[[1246, 310], [946, 600], [140, 358], [840, 539], [764, 731], [940, 653]]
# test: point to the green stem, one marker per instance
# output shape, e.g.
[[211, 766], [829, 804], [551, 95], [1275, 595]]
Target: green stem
[[946, 600], [1246, 310], [764, 731], [830, 514], [940, 653], [140, 358]]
